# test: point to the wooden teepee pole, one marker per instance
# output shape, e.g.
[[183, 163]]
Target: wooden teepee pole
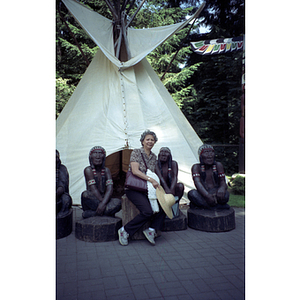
[[113, 11], [135, 13], [125, 35], [120, 26], [124, 5], [118, 42]]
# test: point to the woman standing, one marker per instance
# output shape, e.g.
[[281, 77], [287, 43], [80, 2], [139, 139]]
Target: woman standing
[[137, 166]]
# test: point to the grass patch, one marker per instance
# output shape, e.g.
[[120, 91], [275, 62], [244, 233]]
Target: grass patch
[[237, 200]]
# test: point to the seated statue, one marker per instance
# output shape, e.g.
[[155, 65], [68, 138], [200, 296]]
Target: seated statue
[[167, 171], [209, 179], [63, 199], [97, 199]]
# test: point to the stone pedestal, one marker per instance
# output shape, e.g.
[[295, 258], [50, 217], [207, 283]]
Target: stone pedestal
[[211, 221], [175, 224], [98, 229], [64, 225], [129, 211]]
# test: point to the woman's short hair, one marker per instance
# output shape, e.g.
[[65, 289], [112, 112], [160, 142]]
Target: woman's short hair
[[147, 132]]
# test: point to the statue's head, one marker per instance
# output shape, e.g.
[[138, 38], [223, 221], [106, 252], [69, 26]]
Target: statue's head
[[164, 154], [148, 132], [58, 161], [206, 154], [97, 157]]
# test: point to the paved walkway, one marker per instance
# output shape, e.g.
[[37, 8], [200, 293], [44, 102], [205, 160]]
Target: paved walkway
[[188, 264]]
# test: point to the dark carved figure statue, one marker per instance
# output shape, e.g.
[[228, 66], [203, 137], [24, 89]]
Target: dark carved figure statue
[[97, 199], [63, 199], [167, 171], [209, 179]]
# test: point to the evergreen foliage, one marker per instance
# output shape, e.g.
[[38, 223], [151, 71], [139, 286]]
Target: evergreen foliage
[[63, 93], [70, 63], [238, 185], [214, 111]]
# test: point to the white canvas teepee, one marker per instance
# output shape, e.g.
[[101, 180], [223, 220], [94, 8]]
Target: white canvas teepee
[[116, 101]]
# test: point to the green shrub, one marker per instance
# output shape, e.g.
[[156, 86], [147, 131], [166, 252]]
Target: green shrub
[[238, 185], [63, 93], [236, 200]]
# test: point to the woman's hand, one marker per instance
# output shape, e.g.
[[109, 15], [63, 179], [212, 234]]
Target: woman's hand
[[154, 183]]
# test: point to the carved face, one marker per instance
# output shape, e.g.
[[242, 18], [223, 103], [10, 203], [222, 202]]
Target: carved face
[[208, 156], [97, 157], [164, 155], [58, 162], [148, 142]]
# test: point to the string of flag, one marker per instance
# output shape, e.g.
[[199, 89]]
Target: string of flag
[[218, 46]]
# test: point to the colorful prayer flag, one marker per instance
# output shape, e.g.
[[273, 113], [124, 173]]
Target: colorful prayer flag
[[217, 46]]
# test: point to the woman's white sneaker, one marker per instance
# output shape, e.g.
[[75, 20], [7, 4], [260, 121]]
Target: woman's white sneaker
[[123, 237], [150, 235]]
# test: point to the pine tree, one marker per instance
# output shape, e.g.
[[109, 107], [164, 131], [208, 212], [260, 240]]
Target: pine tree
[[169, 59], [71, 63], [215, 111]]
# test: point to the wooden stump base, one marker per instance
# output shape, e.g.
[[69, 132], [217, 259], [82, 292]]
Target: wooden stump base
[[98, 229], [175, 224], [211, 221], [64, 225], [129, 211]]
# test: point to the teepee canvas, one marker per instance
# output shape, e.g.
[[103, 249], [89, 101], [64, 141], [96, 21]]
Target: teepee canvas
[[116, 101]]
